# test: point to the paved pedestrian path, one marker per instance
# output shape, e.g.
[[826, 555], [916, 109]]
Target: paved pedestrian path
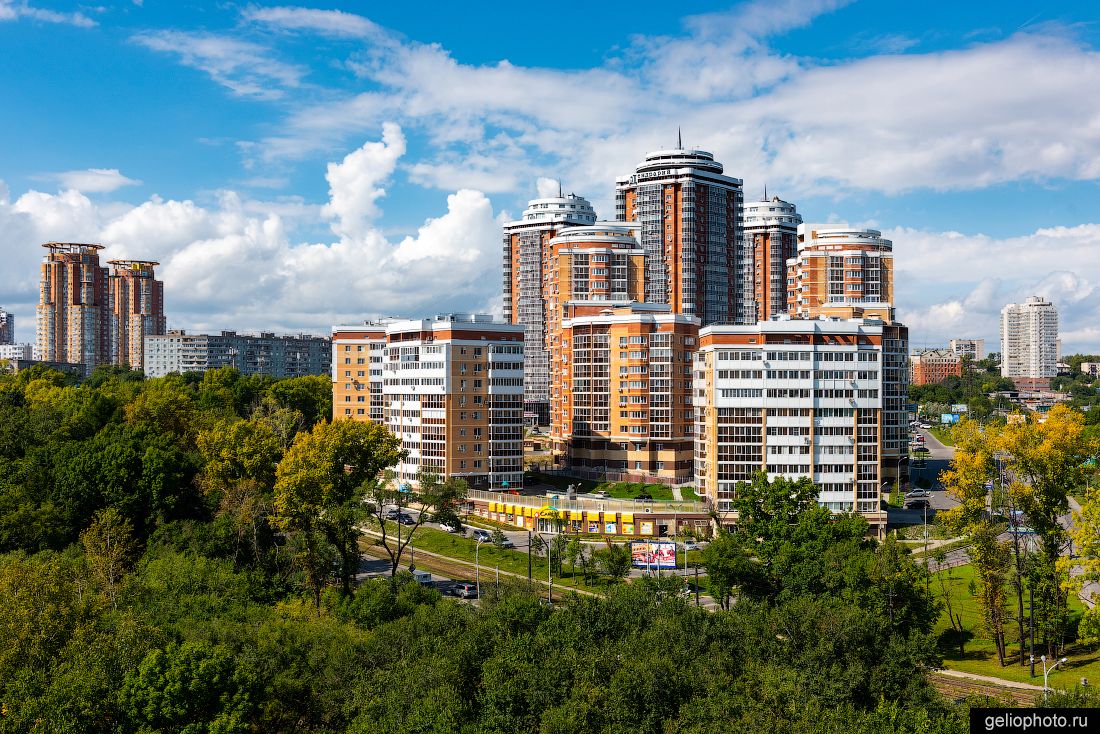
[[990, 679]]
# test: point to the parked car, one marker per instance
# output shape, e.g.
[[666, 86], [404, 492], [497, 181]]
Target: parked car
[[391, 514], [423, 578], [507, 543], [917, 504], [464, 590], [481, 535], [917, 494], [406, 519], [600, 495], [691, 545], [449, 527]]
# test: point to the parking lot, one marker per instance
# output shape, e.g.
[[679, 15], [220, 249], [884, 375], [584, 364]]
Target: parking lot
[[938, 458]]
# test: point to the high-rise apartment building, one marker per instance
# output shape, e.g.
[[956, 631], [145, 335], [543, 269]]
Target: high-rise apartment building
[[841, 271], [972, 348], [357, 354], [817, 398], [929, 366], [263, 354], [592, 263], [771, 239], [136, 310], [690, 229], [453, 393], [73, 323], [621, 398], [526, 256], [1029, 339], [7, 327]]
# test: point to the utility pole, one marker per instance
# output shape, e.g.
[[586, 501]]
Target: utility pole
[[529, 578], [1031, 617]]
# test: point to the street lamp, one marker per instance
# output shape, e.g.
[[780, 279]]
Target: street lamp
[[477, 569], [549, 579], [1046, 672]]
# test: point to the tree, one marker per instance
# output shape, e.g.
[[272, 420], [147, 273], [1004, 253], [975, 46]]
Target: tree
[[729, 568], [1086, 541], [767, 511], [614, 561], [310, 396], [440, 498], [109, 549], [320, 489]]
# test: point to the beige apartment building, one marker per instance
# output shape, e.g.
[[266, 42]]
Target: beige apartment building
[[841, 271], [771, 235], [136, 310], [621, 396], [357, 354]]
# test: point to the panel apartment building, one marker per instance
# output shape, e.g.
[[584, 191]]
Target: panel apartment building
[[1029, 342], [7, 327], [818, 398], [253, 354], [452, 388], [526, 259], [690, 215]]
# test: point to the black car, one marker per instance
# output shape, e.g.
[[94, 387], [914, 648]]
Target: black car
[[406, 519], [918, 504]]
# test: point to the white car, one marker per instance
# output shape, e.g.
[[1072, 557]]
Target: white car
[[600, 495], [448, 527]]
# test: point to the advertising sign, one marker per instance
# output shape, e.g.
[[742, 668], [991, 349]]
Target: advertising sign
[[949, 417], [960, 408], [645, 554]]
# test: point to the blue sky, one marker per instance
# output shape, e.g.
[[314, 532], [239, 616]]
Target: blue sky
[[295, 166]]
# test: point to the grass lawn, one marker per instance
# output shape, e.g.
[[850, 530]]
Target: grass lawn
[[981, 655], [617, 490], [689, 494], [489, 557], [943, 435]]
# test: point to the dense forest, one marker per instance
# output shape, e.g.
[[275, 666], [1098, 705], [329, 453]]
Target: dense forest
[[154, 579]]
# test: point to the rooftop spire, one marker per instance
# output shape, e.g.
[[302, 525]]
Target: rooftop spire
[[559, 188], [679, 139]]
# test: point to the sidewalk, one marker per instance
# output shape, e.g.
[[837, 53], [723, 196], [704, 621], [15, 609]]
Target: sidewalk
[[990, 679]]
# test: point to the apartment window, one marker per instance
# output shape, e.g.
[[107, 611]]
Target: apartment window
[[360, 411], [477, 463], [347, 411]]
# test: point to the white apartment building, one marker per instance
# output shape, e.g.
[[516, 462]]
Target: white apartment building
[[16, 351], [1029, 339], [802, 398], [972, 348], [452, 390]]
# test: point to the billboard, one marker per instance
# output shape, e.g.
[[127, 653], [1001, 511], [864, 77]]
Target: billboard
[[949, 417], [960, 408], [646, 554]]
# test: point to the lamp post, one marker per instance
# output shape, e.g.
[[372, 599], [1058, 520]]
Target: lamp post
[[477, 569], [549, 578], [1047, 671]]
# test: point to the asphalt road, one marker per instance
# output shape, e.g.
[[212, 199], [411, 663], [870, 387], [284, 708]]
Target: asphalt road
[[938, 458]]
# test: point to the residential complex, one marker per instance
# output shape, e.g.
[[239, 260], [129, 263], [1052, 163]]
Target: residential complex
[[72, 314], [357, 354], [136, 310], [690, 230], [972, 348], [252, 354], [1029, 341], [621, 393], [771, 238], [453, 393], [7, 327], [820, 398], [1091, 368], [92, 315], [841, 271], [526, 258], [929, 366]]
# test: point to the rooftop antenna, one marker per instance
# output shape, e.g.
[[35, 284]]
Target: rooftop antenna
[[559, 188], [679, 139], [765, 192]]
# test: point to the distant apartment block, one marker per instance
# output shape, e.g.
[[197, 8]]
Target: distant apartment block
[[771, 236], [690, 217], [453, 394], [1091, 368], [930, 366], [972, 348], [136, 310], [841, 271], [821, 398], [1029, 340], [72, 314], [621, 393], [526, 259], [7, 327], [16, 351], [252, 354]]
